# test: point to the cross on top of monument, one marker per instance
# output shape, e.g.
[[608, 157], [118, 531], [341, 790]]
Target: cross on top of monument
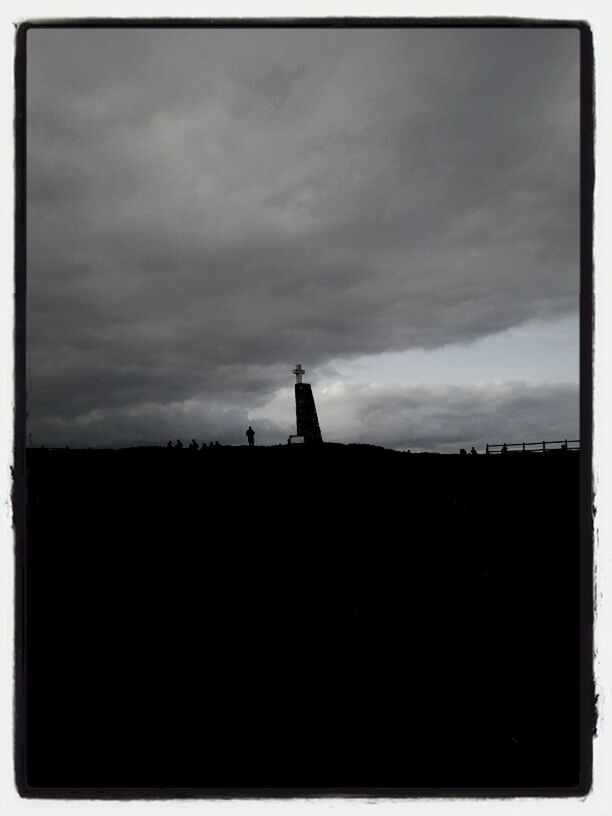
[[298, 371]]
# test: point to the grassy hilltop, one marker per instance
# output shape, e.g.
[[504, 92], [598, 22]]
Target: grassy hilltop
[[302, 617]]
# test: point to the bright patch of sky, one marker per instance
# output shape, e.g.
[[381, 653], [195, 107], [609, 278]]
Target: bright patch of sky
[[537, 351]]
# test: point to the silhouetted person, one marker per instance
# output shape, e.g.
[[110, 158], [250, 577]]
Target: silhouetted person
[[179, 444], [250, 434], [564, 446], [473, 451], [217, 445], [193, 445], [204, 446], [463, 452], [169, 445], [504, 448]]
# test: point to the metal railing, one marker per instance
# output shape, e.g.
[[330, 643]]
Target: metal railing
[[534, 447]]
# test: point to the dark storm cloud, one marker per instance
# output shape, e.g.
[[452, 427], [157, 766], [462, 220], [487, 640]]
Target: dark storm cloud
[[207, 207]]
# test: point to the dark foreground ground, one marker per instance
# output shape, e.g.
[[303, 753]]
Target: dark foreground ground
[[340, 618]]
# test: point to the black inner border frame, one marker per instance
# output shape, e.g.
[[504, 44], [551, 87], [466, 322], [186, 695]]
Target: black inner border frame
[[588, 711]]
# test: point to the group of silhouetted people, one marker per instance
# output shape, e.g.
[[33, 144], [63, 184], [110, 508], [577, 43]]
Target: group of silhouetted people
[[473, 451], [194, 446]]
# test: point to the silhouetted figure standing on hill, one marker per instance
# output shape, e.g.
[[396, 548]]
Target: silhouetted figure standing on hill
[[473, 451], [504, 448], [250, 434], [179, 444], [193, 445]]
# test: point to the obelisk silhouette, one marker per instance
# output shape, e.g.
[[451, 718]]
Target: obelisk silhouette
[[305, 410]]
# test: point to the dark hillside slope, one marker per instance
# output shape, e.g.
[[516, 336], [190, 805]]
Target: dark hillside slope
[[334, 617]]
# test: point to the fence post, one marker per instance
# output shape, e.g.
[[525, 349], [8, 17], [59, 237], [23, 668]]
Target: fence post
[[487, 447], [543, 447], [523, 447]]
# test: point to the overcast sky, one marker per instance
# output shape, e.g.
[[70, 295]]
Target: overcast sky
[[397, 210]]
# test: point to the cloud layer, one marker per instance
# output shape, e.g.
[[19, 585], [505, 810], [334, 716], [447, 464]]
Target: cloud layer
[[207, 207], [445, 419], [415, 417]]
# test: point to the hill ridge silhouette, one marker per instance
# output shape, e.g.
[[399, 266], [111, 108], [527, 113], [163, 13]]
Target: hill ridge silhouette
[[321, 617]]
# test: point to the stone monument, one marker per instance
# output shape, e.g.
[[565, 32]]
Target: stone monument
[[305, 410]]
